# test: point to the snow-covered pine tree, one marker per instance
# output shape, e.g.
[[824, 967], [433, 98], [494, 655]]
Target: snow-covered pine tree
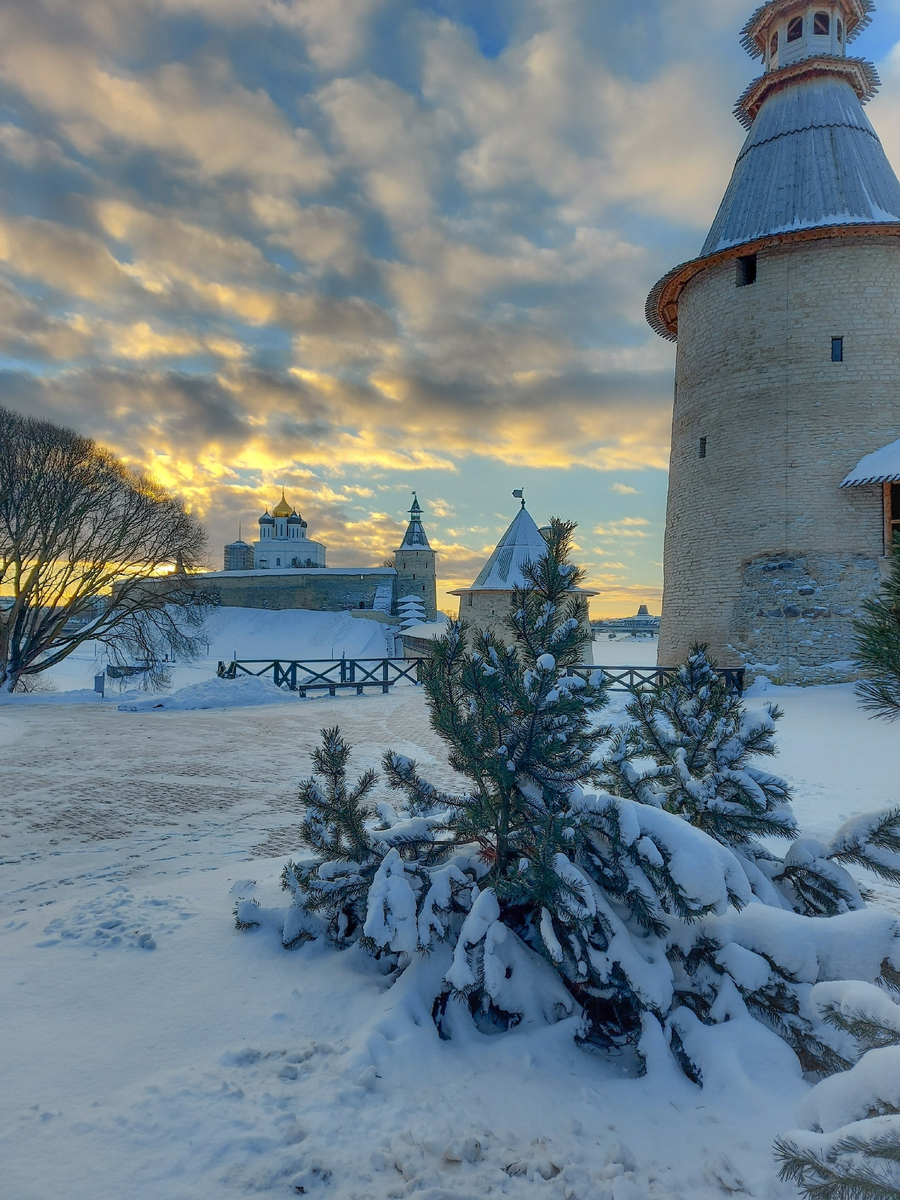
[[355, 848], [877, 651], [539, 899], [412, 611], [852, 1146], [700, 742]]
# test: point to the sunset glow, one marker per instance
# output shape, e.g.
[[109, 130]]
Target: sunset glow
[[362, 248]]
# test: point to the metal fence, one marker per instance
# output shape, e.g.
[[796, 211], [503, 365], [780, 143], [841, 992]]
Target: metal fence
[[326, 674]]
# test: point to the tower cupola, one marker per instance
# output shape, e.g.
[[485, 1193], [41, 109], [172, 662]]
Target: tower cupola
[[784, 31], [415, 537], [812, 165]]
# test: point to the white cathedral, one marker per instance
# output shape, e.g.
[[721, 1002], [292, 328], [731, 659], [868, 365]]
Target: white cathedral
[[283, 542]]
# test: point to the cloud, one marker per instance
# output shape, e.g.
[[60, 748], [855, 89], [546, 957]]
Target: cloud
[[627, 527], [29, 332], [69, 260], [201, 120], [252, 241]]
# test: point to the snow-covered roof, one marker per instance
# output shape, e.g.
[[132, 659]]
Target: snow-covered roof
[[426, 630], [881, 466], [522, 542], [811, 159]]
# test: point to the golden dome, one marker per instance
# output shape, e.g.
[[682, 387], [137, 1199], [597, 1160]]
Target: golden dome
[[282, 508]]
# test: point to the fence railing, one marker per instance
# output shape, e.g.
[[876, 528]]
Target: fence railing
[[630, 679], [326, 674], [321, 674]]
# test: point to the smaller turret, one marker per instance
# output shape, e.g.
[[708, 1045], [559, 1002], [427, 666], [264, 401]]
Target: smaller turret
[[414, 561]]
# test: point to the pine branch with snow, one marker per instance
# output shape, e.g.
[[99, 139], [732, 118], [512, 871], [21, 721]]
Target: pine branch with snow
[[877, 652], [849, 1167], [701, 742], [851, 1147], [354, 845]]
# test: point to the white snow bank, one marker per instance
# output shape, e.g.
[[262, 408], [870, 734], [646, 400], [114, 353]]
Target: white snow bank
[[292, 633], [79, 696], [214, 693]]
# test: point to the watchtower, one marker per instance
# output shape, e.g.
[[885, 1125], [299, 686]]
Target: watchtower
[[788, 364], [414, 561]]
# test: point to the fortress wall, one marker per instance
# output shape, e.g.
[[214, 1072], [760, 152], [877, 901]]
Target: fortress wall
[[765, 557], [306, 589]]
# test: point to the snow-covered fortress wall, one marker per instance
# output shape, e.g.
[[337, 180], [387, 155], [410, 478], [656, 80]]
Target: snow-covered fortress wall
[[323, 589], [285, 569]]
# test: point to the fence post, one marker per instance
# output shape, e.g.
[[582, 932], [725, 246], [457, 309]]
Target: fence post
[[385, 687]]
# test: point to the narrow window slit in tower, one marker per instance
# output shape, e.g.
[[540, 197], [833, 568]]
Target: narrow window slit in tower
[[821, 24], [795, 29], [701, 450], [746, 270], [837, 349]]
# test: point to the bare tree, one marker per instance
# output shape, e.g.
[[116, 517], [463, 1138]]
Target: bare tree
[[84, 547]]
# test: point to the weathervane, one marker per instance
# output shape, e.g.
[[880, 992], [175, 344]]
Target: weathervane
[[519, 494]]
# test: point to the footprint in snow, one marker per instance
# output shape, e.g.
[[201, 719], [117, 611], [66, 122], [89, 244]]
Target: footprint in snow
[[117, 918]]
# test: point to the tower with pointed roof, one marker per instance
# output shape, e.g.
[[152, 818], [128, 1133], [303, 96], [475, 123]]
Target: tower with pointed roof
[[414, 562], [485, 603], [788, 364]]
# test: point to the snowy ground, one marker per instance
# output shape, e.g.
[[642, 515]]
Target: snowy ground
[[152, 1052], [247, 633]]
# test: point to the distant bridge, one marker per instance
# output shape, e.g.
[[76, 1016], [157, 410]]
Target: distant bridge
[[327, 674]]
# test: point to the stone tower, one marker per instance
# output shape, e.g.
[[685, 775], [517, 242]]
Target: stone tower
[[414, 561], [485, 604], [788, 364]]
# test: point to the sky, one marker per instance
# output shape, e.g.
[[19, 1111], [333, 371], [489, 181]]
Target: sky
[[356, 248]]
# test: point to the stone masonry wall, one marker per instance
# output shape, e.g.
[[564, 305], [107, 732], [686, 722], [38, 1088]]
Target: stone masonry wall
[[488, 610], [416, 576], [766, 558], [305, 589]]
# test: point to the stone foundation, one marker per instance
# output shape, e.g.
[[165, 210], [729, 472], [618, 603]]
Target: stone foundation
[[793, 617]]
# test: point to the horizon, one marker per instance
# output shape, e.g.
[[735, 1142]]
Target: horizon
[[397, 247]]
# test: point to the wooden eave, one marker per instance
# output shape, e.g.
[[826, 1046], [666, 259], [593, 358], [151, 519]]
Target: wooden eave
[[859, 73], [662, 303]]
